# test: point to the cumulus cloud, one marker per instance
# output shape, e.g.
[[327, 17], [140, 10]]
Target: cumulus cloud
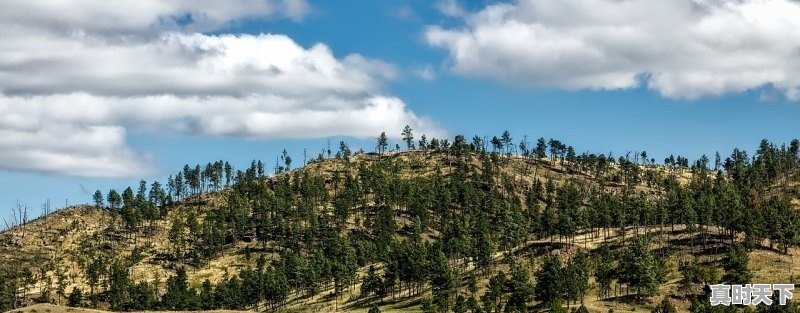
[[70, 149], [142, 16], [679, 48], [255, 116], [181, 64], [72, 85]]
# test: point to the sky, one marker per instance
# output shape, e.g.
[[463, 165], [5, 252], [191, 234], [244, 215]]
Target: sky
[[95, 95]]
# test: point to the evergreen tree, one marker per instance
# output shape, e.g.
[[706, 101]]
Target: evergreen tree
[[541, 149], [118, 286], [443, 281], [577, 277], [371, 283], [98, 199], [207, 296], [141, 296], [383, 142], [492, 299], [408, 137], [639, 269], [178, 295], [114, 199], [75, 299], [735, 265], [507, 142], [665, 306], [550, 281], [287, 160], [520, 289]]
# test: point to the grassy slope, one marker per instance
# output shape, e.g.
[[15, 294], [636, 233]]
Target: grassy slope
[[49, 308], [57, 239]]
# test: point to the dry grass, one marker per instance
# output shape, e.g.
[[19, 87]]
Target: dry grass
[[49, 308], [769, 267], [57, 239]]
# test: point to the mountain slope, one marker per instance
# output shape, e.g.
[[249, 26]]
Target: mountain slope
[[310, 236]]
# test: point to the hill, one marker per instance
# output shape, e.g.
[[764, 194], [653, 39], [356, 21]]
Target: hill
[[451, 227]]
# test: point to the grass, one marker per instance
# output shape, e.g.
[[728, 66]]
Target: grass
[[61, 239], [50, 308]]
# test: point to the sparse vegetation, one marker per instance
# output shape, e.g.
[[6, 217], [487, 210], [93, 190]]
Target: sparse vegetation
[[443, 227]]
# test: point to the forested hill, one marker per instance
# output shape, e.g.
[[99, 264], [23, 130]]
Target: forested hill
[[438, 226]]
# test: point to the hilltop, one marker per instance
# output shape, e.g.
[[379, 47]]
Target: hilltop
[[437, 229]]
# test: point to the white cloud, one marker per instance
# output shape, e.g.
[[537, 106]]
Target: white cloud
[[181, 64], [296, 9], [256, 116], [449, 8], [426, 73], [141, 16], [72, 85], [70, 149], [679, 48]]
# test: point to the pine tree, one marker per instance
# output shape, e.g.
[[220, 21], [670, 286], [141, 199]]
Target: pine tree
[[665, 306], [98, 199], [130, 211], [408, 137], [541, 149], [443, 281], [75, 299], [423, 143], [735, 265], [207, 296], [550, 281], [577, 277], [520, 289], [507, 142], [604, 276], [287, 160], [383, 143], [118, 286], [114, 199], [371, 283], [93, 272], [492, 299], [178, 295], [639, 269], [142, 296]]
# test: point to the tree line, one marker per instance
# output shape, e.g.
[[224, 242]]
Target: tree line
[[442, 217]]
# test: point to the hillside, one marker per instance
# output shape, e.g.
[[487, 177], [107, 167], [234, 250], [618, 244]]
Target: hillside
[[433, 230]]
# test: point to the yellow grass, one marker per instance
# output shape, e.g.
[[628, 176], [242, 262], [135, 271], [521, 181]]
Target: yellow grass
[[56, 239]]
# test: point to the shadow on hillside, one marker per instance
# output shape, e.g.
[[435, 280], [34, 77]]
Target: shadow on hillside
[[627, 299], [363, 303], [542, 248], [415, 302], [769, 249]]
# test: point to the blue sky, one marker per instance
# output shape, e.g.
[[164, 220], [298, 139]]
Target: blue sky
[[484, 75]]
